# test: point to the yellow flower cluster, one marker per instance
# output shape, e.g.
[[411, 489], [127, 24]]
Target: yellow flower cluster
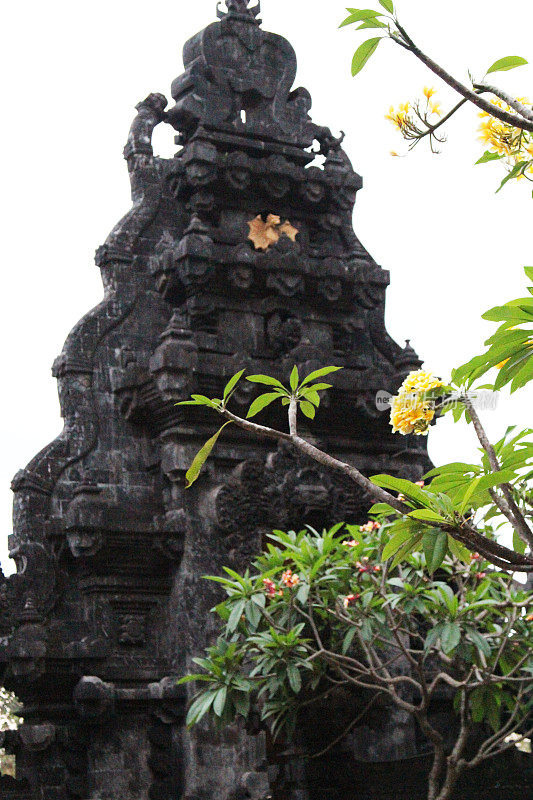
[[399, 117], [512, 143], [411, 411]]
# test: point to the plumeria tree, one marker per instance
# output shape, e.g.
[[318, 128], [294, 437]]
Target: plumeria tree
[[328, 616], [506, 122], [460, 501]]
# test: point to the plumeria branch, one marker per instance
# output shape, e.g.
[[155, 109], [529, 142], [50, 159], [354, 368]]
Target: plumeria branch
[[510, 119], [497, 554], [511, 101], [509, 508]]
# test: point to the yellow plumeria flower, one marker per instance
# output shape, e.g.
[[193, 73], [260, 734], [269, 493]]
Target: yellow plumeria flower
[[429, 92], [435, 109], [411, 412]]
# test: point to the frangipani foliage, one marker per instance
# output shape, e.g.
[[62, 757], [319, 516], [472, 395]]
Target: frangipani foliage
[[506, 125], [322, 615], [510, 348]]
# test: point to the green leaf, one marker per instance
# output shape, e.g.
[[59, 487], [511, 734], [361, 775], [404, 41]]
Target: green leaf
[[514, 173], [266, 379], [388, 5], [407, 488], [509, 62], [529, 272], [201, 457], [477, 639], [426, 515], [524, 374], [348, 639], [262, 402], [450, 637], [407, 548], [363, 53], [371, 23], [199, 708], [433, 636], [308, 409], [235, 616], [319, 373], [356, 15], [396, 541], [198, 400], [518, 543], [295, 679], [489, 156], [435, 548], [382, 508], [241, 701], [458, 550], [220, 701], [294, 378], [312, 396], [232, 383], [457, 466]]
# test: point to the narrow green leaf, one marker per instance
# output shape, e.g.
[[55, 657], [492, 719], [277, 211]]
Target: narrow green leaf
[[407, 488], [363, 53], [261, 402], [509, 62], [489, 156], [514, 173], [395, 542], [450, 637], [457, 466], [371, 23], [435, 547], [518, 543], [308, 409], [407, 548], [312, 396], [293, 381], [266, 379], [295, 679], [382, 508], [201, 457], [220, 701], [458, 550], [199, 708], [388, 5], [358, 14], [232, 383], [426, 515], [319, 373], [476, 638], [235, 616]]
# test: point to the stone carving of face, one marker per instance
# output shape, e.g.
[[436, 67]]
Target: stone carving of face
[[200, 173], [313, 191], [238, 171], [83, 543], [284, 333], [347, 193], [27, 652]]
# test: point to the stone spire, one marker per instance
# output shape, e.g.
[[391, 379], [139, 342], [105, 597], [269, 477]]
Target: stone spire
[[240, 9]]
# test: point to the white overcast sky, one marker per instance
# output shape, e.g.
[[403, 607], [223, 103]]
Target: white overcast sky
[[72, 74]]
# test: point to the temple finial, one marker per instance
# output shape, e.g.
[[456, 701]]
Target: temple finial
[[239, 9]]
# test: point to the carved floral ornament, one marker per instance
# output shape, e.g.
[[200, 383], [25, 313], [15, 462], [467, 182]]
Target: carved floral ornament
[[264, 233]]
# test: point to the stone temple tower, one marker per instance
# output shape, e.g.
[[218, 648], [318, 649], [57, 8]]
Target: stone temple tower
[[236, 253]]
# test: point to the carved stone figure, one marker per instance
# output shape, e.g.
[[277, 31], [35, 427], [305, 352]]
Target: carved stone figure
[[109, 605]]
